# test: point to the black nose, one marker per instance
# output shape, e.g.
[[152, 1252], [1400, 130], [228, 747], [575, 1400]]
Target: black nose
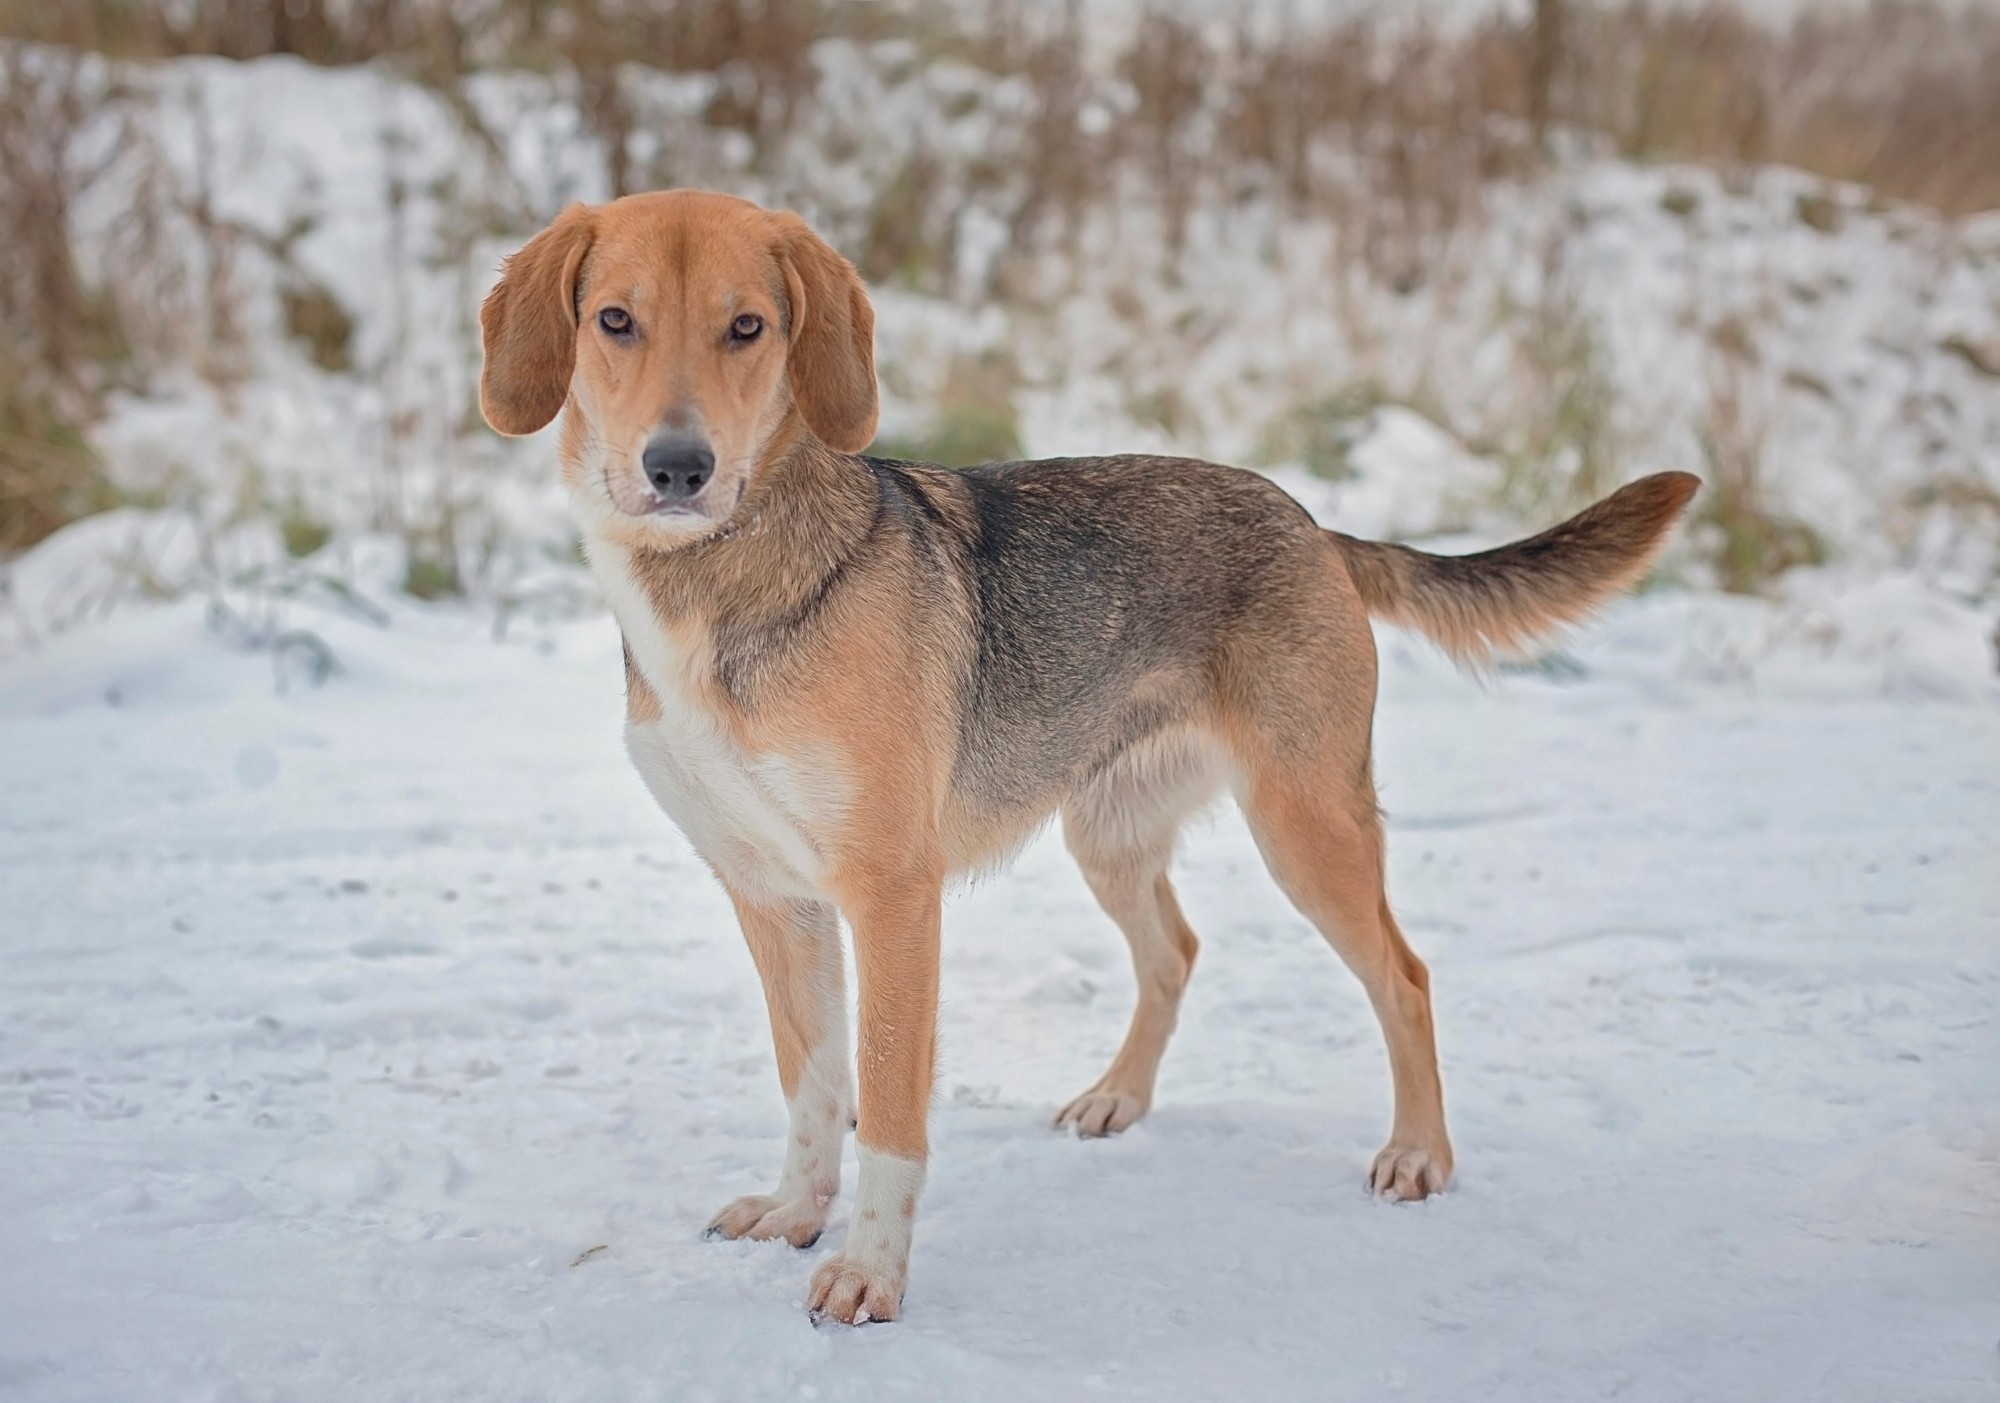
[[678, 467]]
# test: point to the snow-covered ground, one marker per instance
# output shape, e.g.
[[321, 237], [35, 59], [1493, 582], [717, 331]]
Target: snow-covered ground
[[380, 1040]]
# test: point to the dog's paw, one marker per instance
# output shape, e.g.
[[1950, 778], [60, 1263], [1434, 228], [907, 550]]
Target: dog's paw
[[761, 1217], [855, 1292], [1103, 1111], [1407, 1173]]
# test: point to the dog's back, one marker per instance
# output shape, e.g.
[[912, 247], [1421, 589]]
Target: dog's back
[[1106, 595]]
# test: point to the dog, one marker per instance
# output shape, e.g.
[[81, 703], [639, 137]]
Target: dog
[[849, 678]]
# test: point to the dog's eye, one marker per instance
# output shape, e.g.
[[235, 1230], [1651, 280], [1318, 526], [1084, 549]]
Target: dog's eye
[[616, 321], [746, 327]]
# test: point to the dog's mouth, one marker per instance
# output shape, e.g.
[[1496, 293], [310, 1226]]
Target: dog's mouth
[[639, 500]]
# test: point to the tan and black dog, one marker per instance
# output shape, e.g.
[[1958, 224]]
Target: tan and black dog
[[849, 678]]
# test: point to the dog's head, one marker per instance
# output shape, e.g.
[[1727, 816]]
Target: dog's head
[[692, 335]]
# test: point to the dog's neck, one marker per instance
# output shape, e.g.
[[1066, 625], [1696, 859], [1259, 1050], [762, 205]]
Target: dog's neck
[[802, 519]]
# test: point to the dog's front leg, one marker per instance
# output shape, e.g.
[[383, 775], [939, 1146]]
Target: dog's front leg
[[895, 919], [796, 946]]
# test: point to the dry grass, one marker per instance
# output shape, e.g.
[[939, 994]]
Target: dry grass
[[1751, 541], [1411, 114], [1899, 95], [54, 329], [763, 46], [1393, 136], [974, 421], [1061, 162], [48, 475], [46, 311]]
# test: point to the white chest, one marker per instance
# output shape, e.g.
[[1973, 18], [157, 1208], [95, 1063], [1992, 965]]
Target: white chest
[[760, 819]]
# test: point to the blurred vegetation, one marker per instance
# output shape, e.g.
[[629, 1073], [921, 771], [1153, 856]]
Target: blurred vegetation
[[1752, 542], [315, 318], [957, 436], [54, 330], [431, 573], [1896, 94], [974, 422], [1320, 432], [302, 532], [48, 475], [1420, 123]]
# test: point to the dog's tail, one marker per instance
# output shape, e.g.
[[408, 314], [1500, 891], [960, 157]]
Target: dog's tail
[[1474, 606]]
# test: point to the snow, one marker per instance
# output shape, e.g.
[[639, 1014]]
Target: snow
[[1846, 356], [382, 1040], [366, 1031]]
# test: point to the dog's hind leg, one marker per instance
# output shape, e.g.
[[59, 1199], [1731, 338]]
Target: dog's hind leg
[[1120, 827], [1321, 835]]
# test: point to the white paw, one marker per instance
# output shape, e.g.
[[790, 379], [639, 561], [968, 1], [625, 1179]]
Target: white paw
[[761, 1217], [1103, 1111], [1407, 1173], [854, 1291]]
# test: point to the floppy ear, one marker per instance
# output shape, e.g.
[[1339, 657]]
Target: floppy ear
[[528, 325], [830, 359]]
